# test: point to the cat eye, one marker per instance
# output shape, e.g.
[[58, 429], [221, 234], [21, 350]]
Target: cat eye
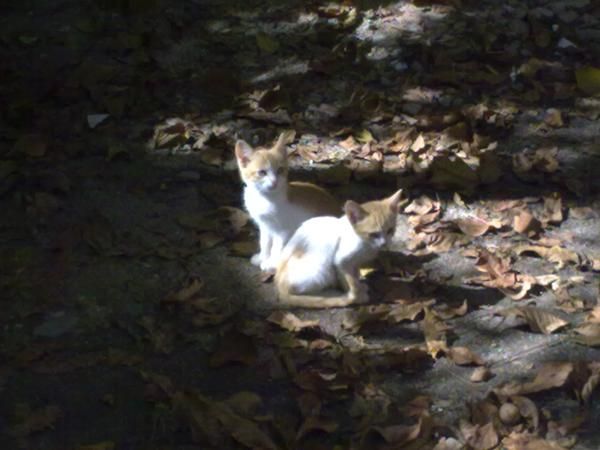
[[374, 235], [391, 231], [262, 173]]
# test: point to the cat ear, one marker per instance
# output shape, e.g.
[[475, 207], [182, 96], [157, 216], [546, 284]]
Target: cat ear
[[284, 138], [354, 212], [394, 201], [243, 151]]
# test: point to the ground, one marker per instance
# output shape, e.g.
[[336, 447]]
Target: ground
[[132, 317]]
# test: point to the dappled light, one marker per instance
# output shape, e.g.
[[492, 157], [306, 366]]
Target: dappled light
[[143, 262]]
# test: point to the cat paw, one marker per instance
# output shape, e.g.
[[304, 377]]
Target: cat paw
[[361, 295], [268, 266], [256, 260]]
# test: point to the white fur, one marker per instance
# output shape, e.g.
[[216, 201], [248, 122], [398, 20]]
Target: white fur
[[328, 245], [277, 218]]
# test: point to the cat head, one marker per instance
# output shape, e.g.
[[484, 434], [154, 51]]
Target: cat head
[[374, 222], [265, 169]]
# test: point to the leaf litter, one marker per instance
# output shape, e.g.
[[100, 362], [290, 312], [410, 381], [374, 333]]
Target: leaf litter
[[418, 134]]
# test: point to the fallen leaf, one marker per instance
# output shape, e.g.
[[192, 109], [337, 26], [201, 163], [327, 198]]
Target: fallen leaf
[[527, 441], [291, 322], [234, 347], [33, 145], [552, 212], [525, 223], [588, 80], [105, 445], [537, 319], [481, 374], [557, 255], [550, 375], [479, 437], [553, 117], [464, 356], [30, 422], [474, 226], [266, 43], [528, 410], [588, 334], [314, 423], [245, 249]]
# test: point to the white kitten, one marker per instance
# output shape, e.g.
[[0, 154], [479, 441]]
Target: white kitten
[[276, 206], [327, 252]]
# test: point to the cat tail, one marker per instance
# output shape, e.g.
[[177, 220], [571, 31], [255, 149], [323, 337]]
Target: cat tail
[[326, 300]]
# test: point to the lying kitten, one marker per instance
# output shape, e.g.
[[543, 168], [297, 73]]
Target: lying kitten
[[327, 252], [277, 207]]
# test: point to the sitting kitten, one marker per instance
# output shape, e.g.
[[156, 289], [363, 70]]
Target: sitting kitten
[[277, 207], [327, 252]]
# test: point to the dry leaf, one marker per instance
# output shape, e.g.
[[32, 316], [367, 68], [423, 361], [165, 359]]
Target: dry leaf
[[474, 226], [557, 255], [528, 410], [588, 334], [553, 117], [552, 212], [525, 223], [314, 423], [464, 356], [588, 80], [33, 145], [549, 376], [291, 322], [479, 437], [526, 441], [35, 421], [234, 347], [537, 319], [481, 374]]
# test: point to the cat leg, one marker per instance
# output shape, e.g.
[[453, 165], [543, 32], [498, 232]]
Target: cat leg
[[272, 261], [290, 298], [356, 291], [265, 242]]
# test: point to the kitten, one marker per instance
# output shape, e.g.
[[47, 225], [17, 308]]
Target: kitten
[[327, 252], [277, 207]]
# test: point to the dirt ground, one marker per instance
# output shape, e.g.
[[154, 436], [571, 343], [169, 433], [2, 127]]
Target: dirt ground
[[131, 312]]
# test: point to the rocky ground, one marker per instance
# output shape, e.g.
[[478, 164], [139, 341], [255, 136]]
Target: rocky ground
[[132, 316]]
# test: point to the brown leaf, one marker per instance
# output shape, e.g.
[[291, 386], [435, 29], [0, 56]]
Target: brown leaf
[[445, 312], [402, 312], [422, 205], [435, 333], [526, 441], [553, 117], [291, 322], [33, 145], [34, 421], [314, 423], [557, 255], [479, 437], [234, 347], [525, 223], [588, 388], [537, 319], [359, 317], [588, 334], [552, 212], [474, 226], [551, 375], [528, 410], [245, 249], [464, 356], [481, 374]]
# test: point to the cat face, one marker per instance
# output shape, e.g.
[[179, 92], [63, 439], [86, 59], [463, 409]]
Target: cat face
[[374, 222], [264, 169]]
